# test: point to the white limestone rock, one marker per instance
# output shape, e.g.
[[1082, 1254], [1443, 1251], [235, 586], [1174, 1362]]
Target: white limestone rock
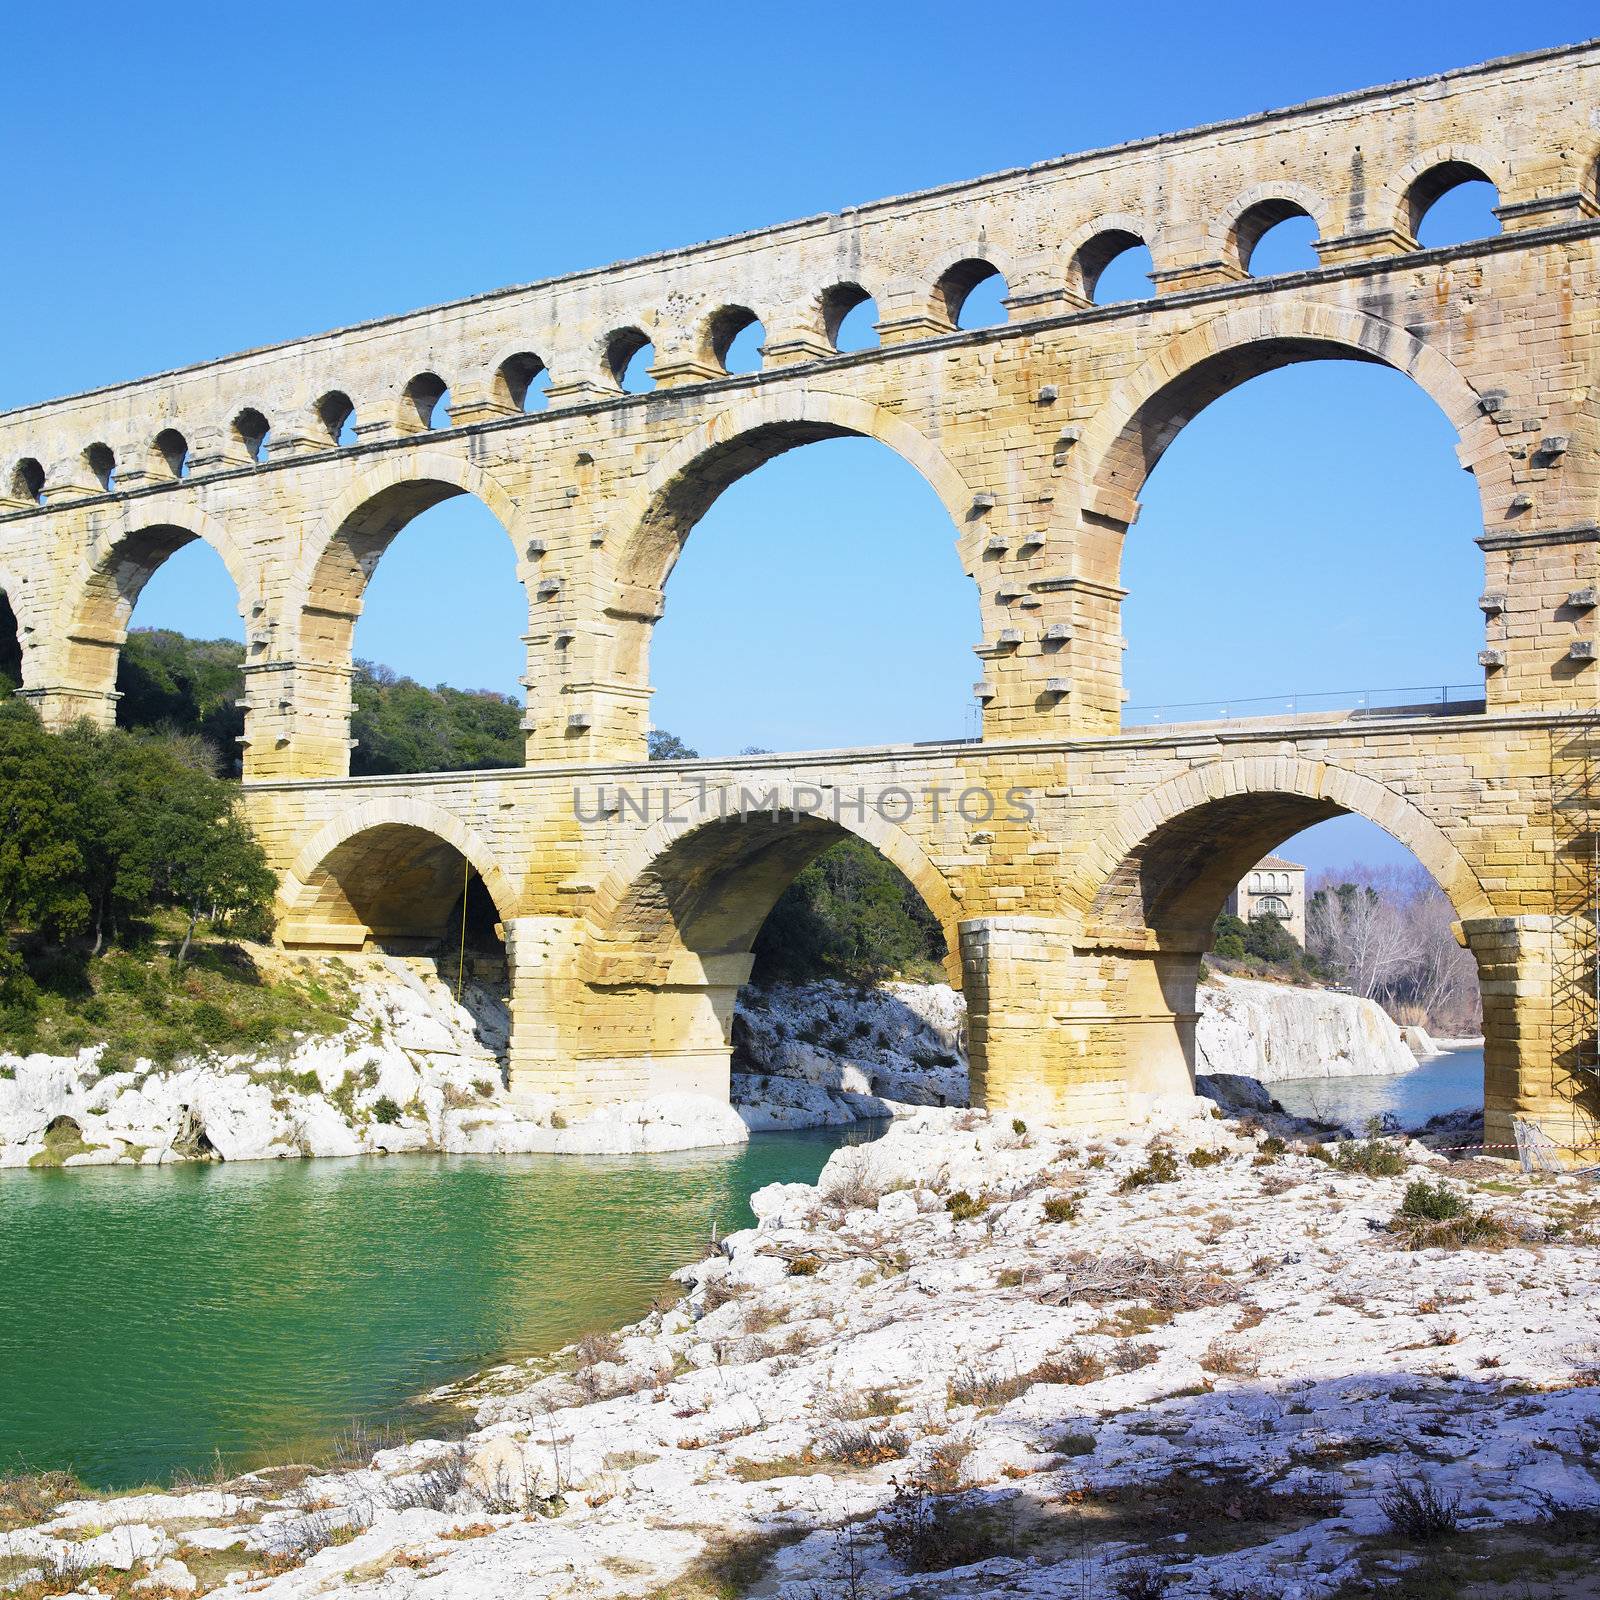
[[1469, 1368], [1273, 1031]]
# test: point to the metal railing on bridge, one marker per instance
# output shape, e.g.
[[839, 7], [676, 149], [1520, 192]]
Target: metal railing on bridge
[[1450, 699]]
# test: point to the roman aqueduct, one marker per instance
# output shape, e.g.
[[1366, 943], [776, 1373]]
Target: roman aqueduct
[[1076, 921]]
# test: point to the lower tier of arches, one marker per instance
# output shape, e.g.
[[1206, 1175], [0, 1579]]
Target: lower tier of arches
[[1076, 915]]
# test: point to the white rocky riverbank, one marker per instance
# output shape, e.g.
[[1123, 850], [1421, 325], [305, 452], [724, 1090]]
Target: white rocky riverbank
[[1273, 1032], [416, 1071], [981, 1360]]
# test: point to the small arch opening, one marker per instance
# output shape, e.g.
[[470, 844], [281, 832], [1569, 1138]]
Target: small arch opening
[[850, 316], [102, 464], [336, 412], [629, 356], [10, 649], [172, 450], [1452, 203], [401, 889], [1275, 236], [971, 294], [1114, 266], [523, 382], [27, 482], [252, 430], [426, 402], [736, 336]]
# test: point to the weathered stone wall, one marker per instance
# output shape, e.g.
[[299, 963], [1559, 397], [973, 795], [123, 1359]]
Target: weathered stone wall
[[1075, 913], [1037, 435], [1077, 927]]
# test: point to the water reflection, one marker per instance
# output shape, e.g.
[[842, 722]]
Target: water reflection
[[153, 1316], [1447, 1083]]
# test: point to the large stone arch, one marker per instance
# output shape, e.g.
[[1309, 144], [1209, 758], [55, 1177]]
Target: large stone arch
[[350, 539], [684, 483], [121, 554], [668, 938], [307, 711], [1168, 859], [1147, 410], [633, 910], [421, 840]]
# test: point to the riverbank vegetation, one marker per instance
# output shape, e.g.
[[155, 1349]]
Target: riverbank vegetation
[[1383, 933], [140, 1003], [120, 854]]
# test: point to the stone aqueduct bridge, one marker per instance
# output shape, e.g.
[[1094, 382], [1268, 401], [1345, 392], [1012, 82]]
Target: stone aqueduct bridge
[[1079, 926]]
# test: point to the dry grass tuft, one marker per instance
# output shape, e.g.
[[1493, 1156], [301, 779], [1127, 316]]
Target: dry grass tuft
[[1231, 1359]]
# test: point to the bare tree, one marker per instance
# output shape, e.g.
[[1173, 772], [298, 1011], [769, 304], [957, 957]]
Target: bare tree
[[1387, 933], [1354, 929]]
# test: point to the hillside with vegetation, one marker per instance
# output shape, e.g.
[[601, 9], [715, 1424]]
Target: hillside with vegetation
[[1381, 933], [171, 683]]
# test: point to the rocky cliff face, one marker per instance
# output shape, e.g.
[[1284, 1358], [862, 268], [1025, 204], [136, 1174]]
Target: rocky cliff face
[[823, 1054], [414, 1071], [1272, 1032], [417, 1071]]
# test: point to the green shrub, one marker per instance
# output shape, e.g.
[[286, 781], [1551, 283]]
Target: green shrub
[[1373, 1156], [212, 1023], [963, 1207], [1061, 1208], [849, 914], [386, 1110], [1431, 1202], [1160, 1167]]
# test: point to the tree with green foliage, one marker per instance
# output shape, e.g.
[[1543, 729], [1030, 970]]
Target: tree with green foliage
[[663, 746], [175, 685], [41, 855], [171, 683], [848, 914], [1268, 940], [1263, 938], [400, 726], [97, 829], [1229, 934]]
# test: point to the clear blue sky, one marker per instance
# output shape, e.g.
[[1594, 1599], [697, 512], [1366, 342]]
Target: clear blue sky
[[196, 184]]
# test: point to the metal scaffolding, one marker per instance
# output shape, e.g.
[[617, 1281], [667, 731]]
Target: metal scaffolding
[[1575, 928]]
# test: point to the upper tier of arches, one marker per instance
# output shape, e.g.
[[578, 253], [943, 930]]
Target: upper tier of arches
[[690, 335]]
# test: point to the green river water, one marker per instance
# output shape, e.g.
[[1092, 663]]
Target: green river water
[[151, 1317]]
